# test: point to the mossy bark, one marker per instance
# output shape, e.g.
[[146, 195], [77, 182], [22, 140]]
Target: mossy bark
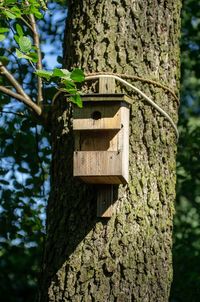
[[127, 257]]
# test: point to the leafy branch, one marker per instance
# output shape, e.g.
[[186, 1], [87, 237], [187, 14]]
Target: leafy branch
[[67, 81], [22, 15]]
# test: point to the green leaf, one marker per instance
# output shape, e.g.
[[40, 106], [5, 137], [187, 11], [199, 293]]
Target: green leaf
[[43, 4], [38, 15], [3, 30], [62, 73], [2, 37], [10, 2], [21, 55], [25, 44], [44, 73], [29, 56], [16, 11], [71, 90], [16, 38], [58, 72], [77, 100], [9, 15], [69, 85], [19, 30], [77, 75], [36, 12], [66, 74], [33, 56]]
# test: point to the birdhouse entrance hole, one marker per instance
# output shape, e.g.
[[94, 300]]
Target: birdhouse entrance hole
[[96, 115]]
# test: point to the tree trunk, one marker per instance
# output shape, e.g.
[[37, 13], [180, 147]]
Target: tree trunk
[[127, 257]]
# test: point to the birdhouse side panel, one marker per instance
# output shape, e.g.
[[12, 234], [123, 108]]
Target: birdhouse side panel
[[124, 140]]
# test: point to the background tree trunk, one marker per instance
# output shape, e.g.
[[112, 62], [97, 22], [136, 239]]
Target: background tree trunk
[[127, 257]]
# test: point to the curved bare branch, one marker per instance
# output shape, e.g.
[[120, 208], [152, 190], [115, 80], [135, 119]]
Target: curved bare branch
[[25, 100]]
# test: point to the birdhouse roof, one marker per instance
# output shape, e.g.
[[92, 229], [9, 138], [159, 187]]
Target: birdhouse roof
[[104, 97]]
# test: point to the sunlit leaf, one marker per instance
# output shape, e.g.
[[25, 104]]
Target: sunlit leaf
[[77, 75], [44, 74], [77, 100], [19, 30], [25, 44], [9, 15], [16, 38], [2, 37], [3, 30], [62, 73]]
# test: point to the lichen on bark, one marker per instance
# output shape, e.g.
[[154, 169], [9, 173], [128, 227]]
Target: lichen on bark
[[128, 257]]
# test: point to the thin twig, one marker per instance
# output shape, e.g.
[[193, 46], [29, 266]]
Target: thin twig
[[12, 80], [20, 18], [21, 114], [24, 20], [37, 45], [26, 100]]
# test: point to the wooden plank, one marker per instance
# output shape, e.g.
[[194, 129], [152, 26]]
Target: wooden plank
[[77, 141], [97, 117], [115, 97], [105, 201], [97, 140], [97, 163], [106, 85], [113, 180], [124, 141], [101, 143], [107, 195]]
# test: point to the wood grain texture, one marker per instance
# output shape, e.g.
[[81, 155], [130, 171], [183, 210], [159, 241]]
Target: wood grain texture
[[108, 97], [110, 116], [109, 133], [105, 201], [98, 140], [106, 85], [97, 165]]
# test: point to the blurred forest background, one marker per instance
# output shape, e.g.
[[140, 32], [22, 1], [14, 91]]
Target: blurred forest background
[[25, 159]]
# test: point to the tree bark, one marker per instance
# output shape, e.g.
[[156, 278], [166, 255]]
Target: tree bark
[[127, 257]]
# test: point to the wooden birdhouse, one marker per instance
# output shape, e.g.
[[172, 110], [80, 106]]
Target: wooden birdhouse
[[101, 155], [101, 130]]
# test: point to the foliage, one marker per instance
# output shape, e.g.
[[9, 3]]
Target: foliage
[[24, 169], [67, 80], [186, 285], [18, 19], [23, 173]]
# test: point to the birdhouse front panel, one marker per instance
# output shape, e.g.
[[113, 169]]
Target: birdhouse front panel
[[98, 166], [95, 116], [101, 130]]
